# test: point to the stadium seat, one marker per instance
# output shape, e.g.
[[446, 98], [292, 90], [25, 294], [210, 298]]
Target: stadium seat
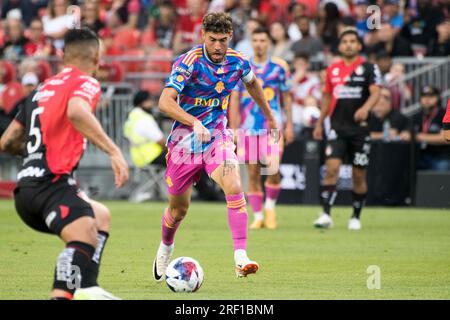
[[127, 39], [134, 62], [11, 94], [7, 72]]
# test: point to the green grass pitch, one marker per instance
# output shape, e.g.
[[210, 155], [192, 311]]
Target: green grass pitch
[[410, 246]]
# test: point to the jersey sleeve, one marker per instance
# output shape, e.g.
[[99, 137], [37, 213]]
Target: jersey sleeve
[[20, 116], [88, 89], [328, 88], [375, 76], [446, 119], [247, 73], [285, 79], [180, 74]]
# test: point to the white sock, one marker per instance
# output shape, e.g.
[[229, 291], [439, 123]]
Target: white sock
[[258, 215], [270, 204], [165, 248], [240, 255]]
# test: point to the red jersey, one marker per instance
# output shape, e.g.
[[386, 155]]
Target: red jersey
[[53, 146], [446, 119]]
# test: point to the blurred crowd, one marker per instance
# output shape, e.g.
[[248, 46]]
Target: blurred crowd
[[304, 32]]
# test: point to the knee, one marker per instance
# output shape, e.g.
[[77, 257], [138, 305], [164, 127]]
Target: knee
[[102, 217], [332, 173], [233, 186], [178, 213]]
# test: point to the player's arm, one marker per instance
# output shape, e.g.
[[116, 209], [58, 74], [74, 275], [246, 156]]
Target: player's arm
[[289, 129], [324, 110], [169, 105], [447, 135], [256, 92], [12, 140], [233, 111], [80, 115], [363, 112]]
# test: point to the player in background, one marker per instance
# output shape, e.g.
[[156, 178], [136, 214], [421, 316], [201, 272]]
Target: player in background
[[253, 138], [446, 122], [196, 96], [50, 133], [352, 88]]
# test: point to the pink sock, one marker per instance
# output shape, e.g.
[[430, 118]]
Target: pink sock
[[256, 201], [237, 219], [169, 227], [272, 191]]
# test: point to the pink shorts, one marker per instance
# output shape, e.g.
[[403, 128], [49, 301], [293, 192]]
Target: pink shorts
[[184, 168], [257, 149]]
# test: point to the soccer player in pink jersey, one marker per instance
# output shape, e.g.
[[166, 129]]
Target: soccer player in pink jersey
[[196, 96]]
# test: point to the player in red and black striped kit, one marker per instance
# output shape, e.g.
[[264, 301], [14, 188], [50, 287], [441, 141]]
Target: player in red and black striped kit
[[352, 88], [446, 122], [50, 132]]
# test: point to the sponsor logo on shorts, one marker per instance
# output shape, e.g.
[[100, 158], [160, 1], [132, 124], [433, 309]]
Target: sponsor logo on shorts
[[51, 216]]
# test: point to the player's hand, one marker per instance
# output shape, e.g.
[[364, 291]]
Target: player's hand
[[318, 132], [202, 134], [361, 115], [120, 168], [274, 131], [289, 133]]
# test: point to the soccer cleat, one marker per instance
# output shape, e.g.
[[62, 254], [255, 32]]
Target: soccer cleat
[[243, 269], [161, 261], [354, 224], [271, 219], [93, 293], [257, 224], [324, 221]]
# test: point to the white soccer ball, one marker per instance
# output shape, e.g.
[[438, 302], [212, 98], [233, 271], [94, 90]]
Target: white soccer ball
[[310, 115], [184, 274]]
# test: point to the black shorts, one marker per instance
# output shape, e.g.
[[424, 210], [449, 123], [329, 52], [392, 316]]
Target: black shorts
[[354, 148], [49, 207]]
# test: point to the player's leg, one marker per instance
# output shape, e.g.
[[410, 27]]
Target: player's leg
[[227, 176], [170, 221], [360, 155], [335, 151], [255, 195], [273, 181], [103, 223]]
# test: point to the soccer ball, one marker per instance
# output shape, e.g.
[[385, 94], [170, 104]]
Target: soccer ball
[[310, 115], [184, 274]]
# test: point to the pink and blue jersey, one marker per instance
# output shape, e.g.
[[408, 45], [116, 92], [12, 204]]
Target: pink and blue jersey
[[204, 89], [275, 79]]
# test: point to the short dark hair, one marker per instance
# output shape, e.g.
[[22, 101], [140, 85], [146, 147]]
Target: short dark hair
[[217, 22], [77, 43], [350, 31], [301, 55], [262, 30]]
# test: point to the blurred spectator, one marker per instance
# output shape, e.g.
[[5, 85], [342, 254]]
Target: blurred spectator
[[329, 17], [108, 47], [29, 82], [241, 13], [281, 43], [308, 44], [434, 153], [386, 40], [57, 22], [342, 6], [361, 15], [161, 29], [387, 123], [391, 14], [304, 84], [38, 45], [188, 31], [384, 62], [297, 10], [440, 46], [245, 45], [146, 138], [28, 8], [13, 48], [421, 29], [401, 93], [90, 15]]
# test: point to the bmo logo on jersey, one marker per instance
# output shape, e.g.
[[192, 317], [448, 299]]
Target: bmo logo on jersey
[[346, 92]]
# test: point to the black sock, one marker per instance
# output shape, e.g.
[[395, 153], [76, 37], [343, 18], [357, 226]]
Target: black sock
[[71, 266], [359, 200], [327, 196], [93, 269]]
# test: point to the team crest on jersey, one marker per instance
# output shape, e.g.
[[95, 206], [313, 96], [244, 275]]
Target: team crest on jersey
[[180, 78], [335, 71], [220, 70], [359, 71], [220, 87]]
